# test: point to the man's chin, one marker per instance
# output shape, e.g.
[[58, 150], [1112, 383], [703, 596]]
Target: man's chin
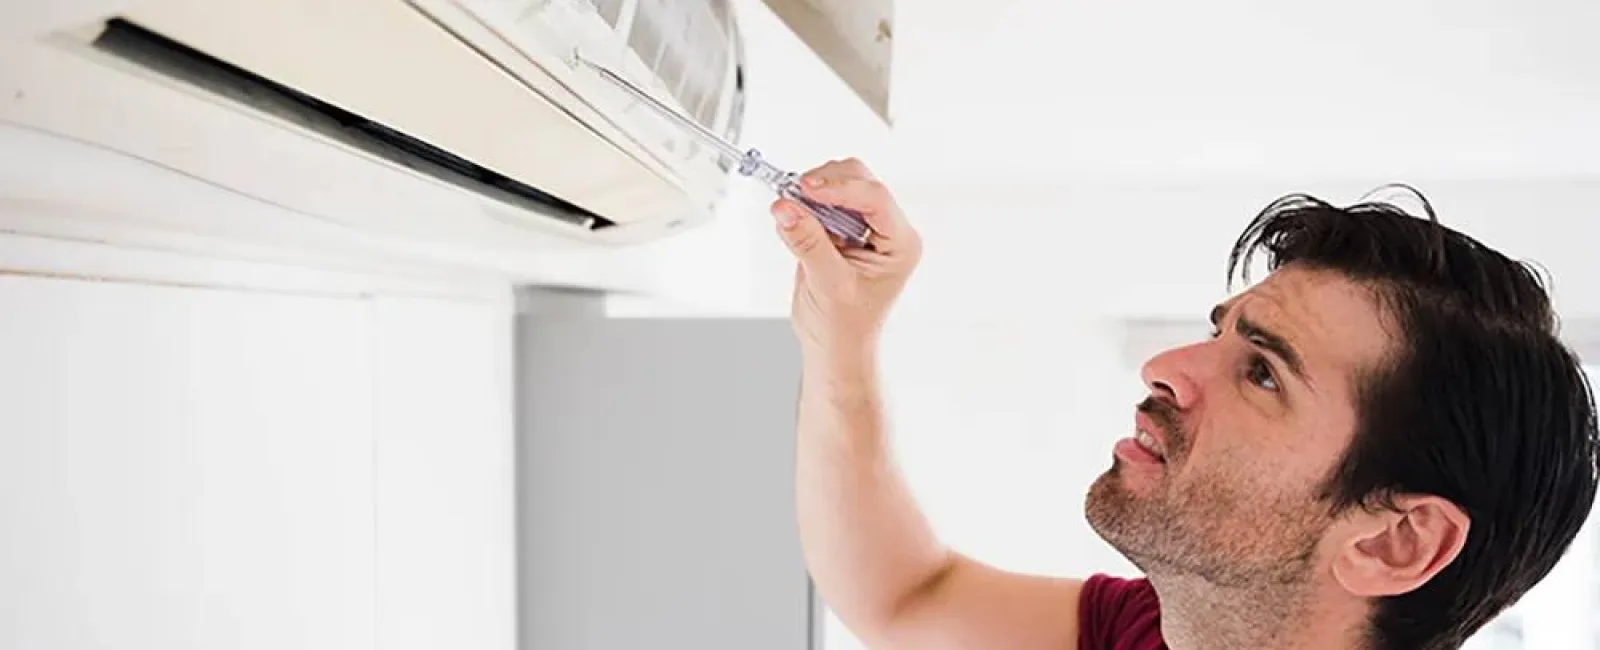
[[1115, 509], [1109, 502], [1135, 483]]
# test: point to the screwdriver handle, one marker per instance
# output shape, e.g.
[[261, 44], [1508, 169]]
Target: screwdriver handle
[[847, 224]]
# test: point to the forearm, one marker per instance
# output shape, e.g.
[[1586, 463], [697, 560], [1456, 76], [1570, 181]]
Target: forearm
[[869, 547], [871, 552]]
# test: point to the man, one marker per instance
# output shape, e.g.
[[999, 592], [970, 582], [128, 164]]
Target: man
[[1382, 446]]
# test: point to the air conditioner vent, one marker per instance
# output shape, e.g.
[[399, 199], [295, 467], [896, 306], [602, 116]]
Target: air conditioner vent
[[179, 62], [686, 43]]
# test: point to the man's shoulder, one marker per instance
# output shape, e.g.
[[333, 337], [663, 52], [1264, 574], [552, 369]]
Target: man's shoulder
[[1113, 588], [1118, 614]]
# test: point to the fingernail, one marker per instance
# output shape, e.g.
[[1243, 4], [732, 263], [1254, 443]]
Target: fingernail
[[787, 218], [813, 181]]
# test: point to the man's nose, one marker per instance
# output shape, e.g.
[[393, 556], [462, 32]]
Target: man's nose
[[1177, 375]]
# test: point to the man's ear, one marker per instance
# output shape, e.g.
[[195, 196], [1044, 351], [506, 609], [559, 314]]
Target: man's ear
[[1391, 552]]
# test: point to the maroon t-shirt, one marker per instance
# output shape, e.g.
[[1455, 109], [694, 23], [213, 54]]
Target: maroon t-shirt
[[1119, 614]]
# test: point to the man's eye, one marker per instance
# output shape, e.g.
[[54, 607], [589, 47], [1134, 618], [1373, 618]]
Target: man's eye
[[1260, 373]]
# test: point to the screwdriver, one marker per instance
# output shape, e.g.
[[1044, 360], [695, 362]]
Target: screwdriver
[[844, 223]]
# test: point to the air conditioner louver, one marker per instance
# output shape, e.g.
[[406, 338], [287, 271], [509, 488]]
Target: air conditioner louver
[[174, 60]]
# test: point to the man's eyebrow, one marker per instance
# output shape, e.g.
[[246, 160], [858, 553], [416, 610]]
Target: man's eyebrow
[[1264, 339]]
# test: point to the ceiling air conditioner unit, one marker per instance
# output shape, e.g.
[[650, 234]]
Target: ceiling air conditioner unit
[[427, 118]]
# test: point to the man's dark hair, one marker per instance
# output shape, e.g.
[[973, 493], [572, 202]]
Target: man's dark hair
[[1480, 403]]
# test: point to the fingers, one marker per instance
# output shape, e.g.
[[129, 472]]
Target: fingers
[[838, 170], [849, 184], [810, 242], [867, 197]]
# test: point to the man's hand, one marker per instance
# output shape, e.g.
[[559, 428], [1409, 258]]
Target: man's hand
[[843, 295], [870, 550]]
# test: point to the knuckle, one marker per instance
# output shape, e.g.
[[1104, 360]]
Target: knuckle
[[839, 170], [876, 189], [806, 243]]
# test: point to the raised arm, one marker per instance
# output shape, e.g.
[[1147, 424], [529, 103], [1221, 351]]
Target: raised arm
[[870, 550]]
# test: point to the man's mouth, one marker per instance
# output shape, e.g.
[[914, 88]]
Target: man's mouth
[[1143, 448], [1148, 442], [1155, 428]]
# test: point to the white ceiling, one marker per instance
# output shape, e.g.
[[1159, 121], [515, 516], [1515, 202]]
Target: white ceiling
[[1170, 88]]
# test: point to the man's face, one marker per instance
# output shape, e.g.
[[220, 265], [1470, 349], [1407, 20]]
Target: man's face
[[1248, 425]]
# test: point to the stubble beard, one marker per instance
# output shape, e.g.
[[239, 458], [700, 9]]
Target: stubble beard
[[1219, 527]]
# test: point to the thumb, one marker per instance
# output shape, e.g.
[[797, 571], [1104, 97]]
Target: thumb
[[809, 242]]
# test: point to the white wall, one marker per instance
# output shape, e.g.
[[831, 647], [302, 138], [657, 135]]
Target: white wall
[[183, 469], [444, 463], [198, 453], [1174, 89], [1140, 250]]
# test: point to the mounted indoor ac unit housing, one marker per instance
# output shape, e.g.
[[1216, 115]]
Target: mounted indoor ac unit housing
[[462, 120]]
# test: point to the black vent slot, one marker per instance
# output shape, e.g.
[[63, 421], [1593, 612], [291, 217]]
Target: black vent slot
[[183, 63]]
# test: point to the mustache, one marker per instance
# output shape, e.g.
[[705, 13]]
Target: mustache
[[1167, 418]]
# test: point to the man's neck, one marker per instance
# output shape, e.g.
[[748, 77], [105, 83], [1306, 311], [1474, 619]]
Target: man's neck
[[1198, 615]]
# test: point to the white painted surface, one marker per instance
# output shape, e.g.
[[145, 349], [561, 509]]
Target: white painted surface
[[1152, 249], [444, 468], [1245, 88], [200, 453], [183, 469]]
